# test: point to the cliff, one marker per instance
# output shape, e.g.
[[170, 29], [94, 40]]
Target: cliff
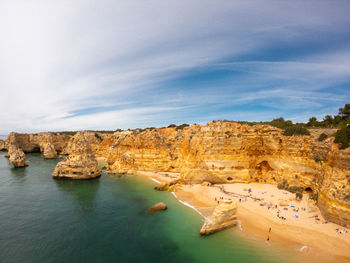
[[81, 162], [228, 152], [33, 142]]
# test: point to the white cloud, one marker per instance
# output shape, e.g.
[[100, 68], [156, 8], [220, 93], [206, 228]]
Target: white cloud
[[58, 58]]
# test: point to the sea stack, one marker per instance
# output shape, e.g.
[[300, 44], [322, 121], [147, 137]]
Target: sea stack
[[80, 164], [18, 158], [48, 151], [224, 216], [2, 145]]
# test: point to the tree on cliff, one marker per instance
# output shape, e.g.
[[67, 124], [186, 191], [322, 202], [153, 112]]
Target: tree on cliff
[[345, 112]]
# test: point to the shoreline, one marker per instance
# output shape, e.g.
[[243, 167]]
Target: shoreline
[[310, 241]]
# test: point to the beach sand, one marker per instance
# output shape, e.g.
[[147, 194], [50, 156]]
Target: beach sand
[[309, 239]]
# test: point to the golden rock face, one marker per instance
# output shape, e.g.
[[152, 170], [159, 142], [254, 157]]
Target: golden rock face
[[32, 142], [227, 152], [2, 145], [48, 151], [18, 158], [224, 216], [81, 162]]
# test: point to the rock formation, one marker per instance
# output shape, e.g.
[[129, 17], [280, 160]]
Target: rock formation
[[229, 152], [158, 207], [224, 216], [48, 151], [2, 145], [10, 149], [219, 152], [31, 142], [80, 164], [18, 158], [162, 187]]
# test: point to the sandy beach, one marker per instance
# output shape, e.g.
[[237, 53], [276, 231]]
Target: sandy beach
[[295, 225]]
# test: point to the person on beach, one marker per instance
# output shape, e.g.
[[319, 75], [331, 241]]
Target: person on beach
[[270, 230]]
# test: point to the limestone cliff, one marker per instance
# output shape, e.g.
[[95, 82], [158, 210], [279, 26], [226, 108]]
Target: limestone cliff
[[228, 152], [81, 162], [31, 142], [224, 216]]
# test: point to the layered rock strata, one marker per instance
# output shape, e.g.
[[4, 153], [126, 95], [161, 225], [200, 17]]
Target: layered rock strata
[[224, 216], [81, 162], [228, 152]]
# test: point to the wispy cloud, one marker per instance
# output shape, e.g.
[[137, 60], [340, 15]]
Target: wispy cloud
[[68, 65]]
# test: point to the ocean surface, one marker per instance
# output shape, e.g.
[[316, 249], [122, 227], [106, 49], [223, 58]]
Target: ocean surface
[[3, 137], [105, 220]]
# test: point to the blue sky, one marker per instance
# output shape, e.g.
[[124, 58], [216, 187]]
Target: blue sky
[[72, 65]]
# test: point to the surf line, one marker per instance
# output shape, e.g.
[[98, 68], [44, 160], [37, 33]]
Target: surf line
[[187, 204]]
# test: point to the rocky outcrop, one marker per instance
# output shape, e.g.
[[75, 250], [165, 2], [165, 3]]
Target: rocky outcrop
[[228, 152], [94, 139], [18, 158], [162, 187], [80, 164], [2, 145], [31, 142], [48, 151], [224, 216], [10, 149], [158, 207]]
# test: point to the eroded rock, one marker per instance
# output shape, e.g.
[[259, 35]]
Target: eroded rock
[[18, 158], [224, 216], [2, 145], [80, 164], [48, 151]]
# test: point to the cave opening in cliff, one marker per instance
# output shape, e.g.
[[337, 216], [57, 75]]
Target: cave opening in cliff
[[309, 190], [36, 149]]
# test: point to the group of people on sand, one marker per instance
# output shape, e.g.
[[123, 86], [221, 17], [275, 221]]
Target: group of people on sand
[[341, 231]]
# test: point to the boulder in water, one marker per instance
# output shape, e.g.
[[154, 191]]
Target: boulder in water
[[158, 207]]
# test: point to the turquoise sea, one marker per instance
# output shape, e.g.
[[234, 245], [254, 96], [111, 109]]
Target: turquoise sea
[[105, 220]]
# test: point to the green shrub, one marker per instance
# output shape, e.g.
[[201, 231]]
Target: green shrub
[[298, 196], [295, 189], [314, 197], [342, 136], [172, 126], [295, 130], [322, 137], [98, 137], [180, 127]]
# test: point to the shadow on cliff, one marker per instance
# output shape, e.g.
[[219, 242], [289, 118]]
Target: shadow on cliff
[[82, 191]]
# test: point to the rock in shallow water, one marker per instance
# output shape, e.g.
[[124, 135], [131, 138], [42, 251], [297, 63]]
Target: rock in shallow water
[[18, 158], [224, 216], [80, 164], [158, 207], [48, 151]]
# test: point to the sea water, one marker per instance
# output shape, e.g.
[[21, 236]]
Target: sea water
[[104, 220]]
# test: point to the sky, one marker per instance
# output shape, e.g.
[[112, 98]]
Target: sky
[[105, 65]]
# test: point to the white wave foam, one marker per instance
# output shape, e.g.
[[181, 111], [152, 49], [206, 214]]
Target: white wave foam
[[154, 180], [187, 204]]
